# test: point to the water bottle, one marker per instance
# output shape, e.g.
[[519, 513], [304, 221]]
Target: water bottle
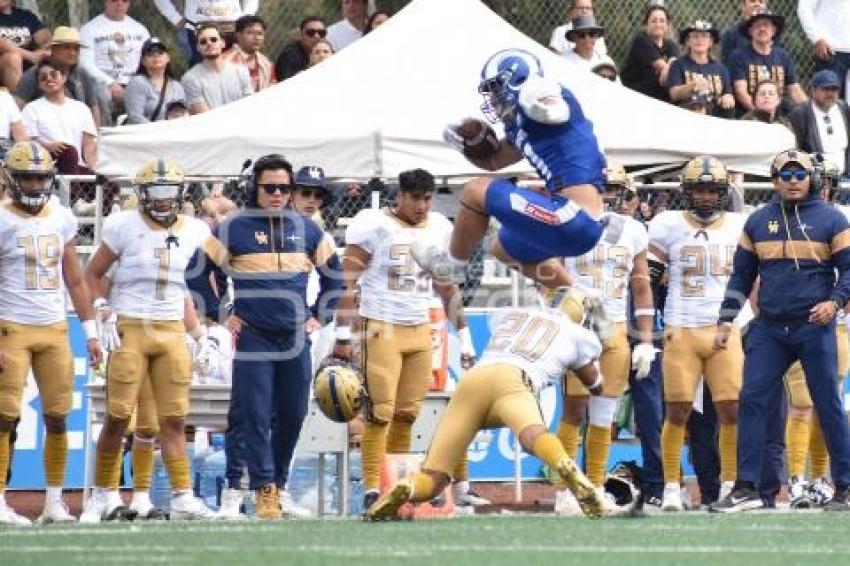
[[210, 472], [355, 483], [160, 484]]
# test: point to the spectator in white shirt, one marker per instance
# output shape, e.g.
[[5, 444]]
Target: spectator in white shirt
[[115, 48], [64, 126], [214, 82], [584, 34], [350, 28], [223, 13], [12, 127], [827, 25], [559, 42]]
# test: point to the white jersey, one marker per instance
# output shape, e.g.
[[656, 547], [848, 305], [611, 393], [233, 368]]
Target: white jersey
[[542, 342], [393, 288], [699, 261], [31, 248], [149, 282], [608, 267]]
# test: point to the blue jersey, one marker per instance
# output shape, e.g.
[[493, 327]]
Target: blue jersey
[[565, 154]]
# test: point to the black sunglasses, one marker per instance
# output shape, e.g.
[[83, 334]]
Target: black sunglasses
[[583, 34], [206, 40], [272, 188], [315, 32]]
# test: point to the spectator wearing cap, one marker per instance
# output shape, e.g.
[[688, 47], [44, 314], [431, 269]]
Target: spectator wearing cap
[[115, 44], [823, 123], [80, 85], [696, 75], [559, 42], [734, 36], [799, 248], [825, 23], [350, 28], [247, 52], [295, 56], [763, 59], [650, 54], [153, 88], [214, 82], [23, 42], [584, 34]]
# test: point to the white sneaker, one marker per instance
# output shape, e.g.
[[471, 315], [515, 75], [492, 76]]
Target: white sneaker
[[566, 504], [672, 498], [464, 496], [186, 506], [821, 492], [55, 511], [725, 489], [231, 501], [436, 261], [144, 509], [105, 506], [291, 509], [9, 517]]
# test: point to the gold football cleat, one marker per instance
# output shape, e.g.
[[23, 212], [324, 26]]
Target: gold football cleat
[[588, 498], [386, 507]]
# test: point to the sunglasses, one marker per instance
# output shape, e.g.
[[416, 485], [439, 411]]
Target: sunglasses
[[212, 40], [272, 188], [591, 34], [47, 75], [312, 32], [311, 193], [788, 174]]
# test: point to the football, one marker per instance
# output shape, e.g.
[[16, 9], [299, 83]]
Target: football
[[479, 139]]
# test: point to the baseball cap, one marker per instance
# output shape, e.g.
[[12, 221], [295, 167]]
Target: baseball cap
[[825, 78], [152, 43], [789, 156], [310, 176]]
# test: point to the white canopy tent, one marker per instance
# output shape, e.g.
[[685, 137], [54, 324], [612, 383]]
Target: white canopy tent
[[379, 107]]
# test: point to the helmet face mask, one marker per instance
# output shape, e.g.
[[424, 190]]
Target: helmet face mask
[[501, 79], [616, 186], [705, 182], [32, 174]]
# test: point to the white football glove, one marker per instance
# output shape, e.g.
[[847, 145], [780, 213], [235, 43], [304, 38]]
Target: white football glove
[[453, 137], [202, 353], [107, 325], [642, 357]]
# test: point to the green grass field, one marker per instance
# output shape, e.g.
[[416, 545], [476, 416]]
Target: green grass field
[[691, 538]]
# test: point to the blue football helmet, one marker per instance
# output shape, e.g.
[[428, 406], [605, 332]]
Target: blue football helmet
[[503, 75]]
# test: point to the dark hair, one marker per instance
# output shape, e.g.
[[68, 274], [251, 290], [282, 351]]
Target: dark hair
[[308, 20], [654, 7], [249, 20], [418, 180], [371, 21], [46, 63], [204, 27], [169, 70], [270, 162]]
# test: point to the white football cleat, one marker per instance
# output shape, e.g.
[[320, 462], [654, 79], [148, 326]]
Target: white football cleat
[[566, 504], [188, 507], [9, 517], [144, 509], [821, 492], [105, 506], [436, 261], [231, 503], [672, 498], [291, 509], [55, 511], [464, 496], [725, 489]]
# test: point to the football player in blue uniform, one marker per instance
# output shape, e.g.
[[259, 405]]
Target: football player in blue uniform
[[544, 123]]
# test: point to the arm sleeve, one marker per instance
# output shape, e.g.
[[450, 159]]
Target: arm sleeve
[[198, 281], [192, 89], [10, 109], [27, 90], [657, 233], [588, 349], [676, 76], [740, 284], [840, 250], [30, 119], [542, 101], [167, 9], [330, 273], [726, 80], [737, 66], [360, 232], [134, 102], [806, 14], [112, 232], [245, 80], [286, 65], [790, 72]]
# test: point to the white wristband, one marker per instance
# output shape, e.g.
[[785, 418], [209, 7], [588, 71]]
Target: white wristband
[[645, 312], [90, 329], [100, 303], [465, 337], [343, 333]]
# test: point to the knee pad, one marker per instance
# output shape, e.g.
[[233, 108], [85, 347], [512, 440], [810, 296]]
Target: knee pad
[[601, 411]]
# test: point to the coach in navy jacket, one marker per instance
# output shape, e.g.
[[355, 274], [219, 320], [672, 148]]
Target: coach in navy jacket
[[799, 247]]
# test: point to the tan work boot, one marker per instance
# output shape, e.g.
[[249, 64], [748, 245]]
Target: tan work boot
[[268, 504], [588, 498]]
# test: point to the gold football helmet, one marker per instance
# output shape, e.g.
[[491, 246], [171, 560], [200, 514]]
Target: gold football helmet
[[29, 162], [338, 390], [705, 171], [617, 184], [160, 186]]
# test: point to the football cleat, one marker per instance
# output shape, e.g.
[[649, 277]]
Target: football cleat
[[649, 506], [841, 500], [725, 489], [185, 506], [105, 506], [744, 497], [145, 510], [566, 504], [436, 261], [584, 491], [387, 507], [55, 511], [369, 499], [672, 499], [9, 517], [291, 509], [820, 492], [465, 497], [798, 493], [231, 503], [268, 502]]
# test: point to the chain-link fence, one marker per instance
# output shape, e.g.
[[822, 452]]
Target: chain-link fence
[[536, 18]]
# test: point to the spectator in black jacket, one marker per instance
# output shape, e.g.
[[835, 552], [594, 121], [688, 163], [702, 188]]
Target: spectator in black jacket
[[822, 124], [295, 56]]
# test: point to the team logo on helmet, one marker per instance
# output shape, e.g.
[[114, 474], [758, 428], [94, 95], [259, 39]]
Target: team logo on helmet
[[503, 75], [339, 390], [27, 160], [160, 186]]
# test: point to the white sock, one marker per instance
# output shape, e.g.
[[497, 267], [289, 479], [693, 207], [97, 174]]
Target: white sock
[[53, 494], [113, 498], [142, 498], [456, 261]]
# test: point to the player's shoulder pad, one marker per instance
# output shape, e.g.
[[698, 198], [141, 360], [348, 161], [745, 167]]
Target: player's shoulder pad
[[364, 225], [587, 344], [541, 99]]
